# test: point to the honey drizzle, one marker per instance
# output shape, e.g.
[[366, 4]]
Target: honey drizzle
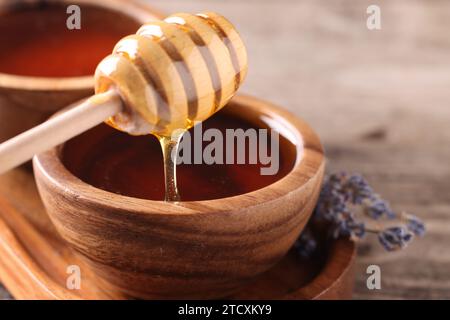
[[169, 146]]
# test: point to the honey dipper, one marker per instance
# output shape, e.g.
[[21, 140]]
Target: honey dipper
[[168, 75]]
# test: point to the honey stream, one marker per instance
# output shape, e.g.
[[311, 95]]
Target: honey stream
[[169, 146]]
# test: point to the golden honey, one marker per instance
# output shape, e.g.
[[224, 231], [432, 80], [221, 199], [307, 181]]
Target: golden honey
[[35, 41], [134, 166]]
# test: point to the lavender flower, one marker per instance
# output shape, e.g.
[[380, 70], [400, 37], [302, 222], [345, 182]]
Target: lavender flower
[[378, 208], [358, 229], [358, 189], [341, 194], [306, 244], [395, 238], [416, 226], [347, 226]]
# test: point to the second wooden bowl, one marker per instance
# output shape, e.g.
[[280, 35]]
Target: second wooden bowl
[[26, 101], [193, 249]]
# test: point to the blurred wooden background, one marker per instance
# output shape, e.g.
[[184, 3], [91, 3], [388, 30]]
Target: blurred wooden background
[[380, 101]]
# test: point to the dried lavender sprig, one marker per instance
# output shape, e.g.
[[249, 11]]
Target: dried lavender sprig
[[414, 224], [395, 238], [376, 208], [358, 189], [306, 244], [341, 192]]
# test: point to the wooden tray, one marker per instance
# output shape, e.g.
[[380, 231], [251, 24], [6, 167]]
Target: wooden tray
[[34, 260]]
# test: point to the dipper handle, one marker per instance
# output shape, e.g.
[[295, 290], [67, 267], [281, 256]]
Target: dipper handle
[[58, 129]]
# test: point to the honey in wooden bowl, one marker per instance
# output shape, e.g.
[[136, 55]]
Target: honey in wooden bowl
[[133, 166], [43, 65], [35, 41], [189, 249]]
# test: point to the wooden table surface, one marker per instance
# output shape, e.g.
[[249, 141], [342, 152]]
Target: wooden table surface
[[380, 101]]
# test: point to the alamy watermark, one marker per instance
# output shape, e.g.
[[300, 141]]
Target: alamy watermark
[[373, 281], [234, 146], [374, 20], [73, 21], [73, 281]]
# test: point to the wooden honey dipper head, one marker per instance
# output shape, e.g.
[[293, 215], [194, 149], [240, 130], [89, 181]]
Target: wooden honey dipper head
[[174, 72]]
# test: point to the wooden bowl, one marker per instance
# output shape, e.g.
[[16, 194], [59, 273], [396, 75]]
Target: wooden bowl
[[198, 249], [26, 101], [34, 260]]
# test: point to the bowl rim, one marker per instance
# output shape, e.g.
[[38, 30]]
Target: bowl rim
[[309, 166], [138, 11]]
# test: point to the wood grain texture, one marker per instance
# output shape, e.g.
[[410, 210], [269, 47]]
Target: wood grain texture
[[379, 101], [191, 249], [34, 260]]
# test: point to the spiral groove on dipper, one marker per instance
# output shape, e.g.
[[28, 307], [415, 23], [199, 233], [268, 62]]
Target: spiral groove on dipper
[[174, 72]]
